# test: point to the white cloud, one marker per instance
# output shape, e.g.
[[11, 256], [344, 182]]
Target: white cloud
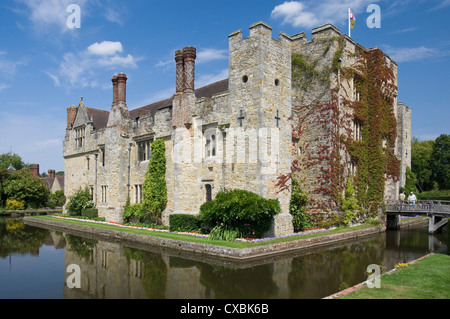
[[81, 69], [105, 48], [211, 54], [414, 54], [205, 79], [46, 14], [310, 14]]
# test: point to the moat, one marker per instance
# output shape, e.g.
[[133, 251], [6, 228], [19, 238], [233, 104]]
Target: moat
[[34, 263]]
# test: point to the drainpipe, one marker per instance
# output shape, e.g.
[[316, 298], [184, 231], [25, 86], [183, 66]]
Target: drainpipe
[[95, 184], [129, 168], [224, 138]]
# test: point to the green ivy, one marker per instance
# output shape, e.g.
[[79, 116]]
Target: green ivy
[[154, 188]]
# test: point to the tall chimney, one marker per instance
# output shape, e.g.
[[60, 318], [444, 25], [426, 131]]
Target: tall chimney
[[122, 88], [71, 114], [51, 173], [180, 71], [115, 89], [189, 55], [34, 170]]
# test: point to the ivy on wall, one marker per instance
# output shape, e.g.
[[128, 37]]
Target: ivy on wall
[[373, 154], [154, 189]]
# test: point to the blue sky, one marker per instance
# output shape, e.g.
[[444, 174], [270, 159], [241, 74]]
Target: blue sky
[[45, 66]]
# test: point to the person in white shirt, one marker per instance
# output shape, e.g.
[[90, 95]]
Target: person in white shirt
[[412, 198]]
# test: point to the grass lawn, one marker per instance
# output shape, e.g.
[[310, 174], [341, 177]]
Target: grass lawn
[[428, 278], [184, 237]]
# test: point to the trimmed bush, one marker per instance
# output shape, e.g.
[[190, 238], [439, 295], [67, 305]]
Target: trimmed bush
[[184, 223], [240, 212], [90, 212]]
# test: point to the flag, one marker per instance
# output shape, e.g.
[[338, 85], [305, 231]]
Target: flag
[[352, 19]]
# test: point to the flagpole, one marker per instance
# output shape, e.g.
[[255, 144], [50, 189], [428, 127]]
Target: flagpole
[[349, 24]]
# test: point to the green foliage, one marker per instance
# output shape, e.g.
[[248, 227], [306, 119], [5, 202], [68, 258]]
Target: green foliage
[[133, 212], [184, 223], [421, 160], [297, 207], [154, 187], [434, 195], [410, 184], [441, 161], [80, 201], [90, 212], [22, 186], [58, 199], [349, 203], [11, 159], [241, 211], [12, 204]]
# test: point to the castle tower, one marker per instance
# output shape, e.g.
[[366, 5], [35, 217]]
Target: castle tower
[[260, 134], [404, 139]]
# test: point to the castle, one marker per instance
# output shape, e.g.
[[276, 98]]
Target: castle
[[288, 106]]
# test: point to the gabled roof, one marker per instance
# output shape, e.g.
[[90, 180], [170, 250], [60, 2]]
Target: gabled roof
[[100, 117]]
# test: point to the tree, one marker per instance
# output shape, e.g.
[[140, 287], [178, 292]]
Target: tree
[[11, 159], [154, 189], [79, 201], [440, 161], [410, 184], [4, 176], [23, 186], [421, 152], [349, 203]]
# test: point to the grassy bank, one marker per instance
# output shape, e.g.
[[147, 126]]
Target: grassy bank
[[203, 240], [428, 278]]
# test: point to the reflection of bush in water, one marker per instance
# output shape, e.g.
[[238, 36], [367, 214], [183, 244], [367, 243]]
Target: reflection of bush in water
[[82, 247], [16, 237], [256, 282], [154, 273]]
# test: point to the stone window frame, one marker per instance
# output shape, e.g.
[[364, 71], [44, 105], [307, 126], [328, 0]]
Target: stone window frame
[[104, 194], [138, 193], [143, 148], [102, 152], [80, 136], [357, 131], [210, 136]]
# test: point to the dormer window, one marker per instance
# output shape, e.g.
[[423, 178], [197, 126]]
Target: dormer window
[[80, 136]]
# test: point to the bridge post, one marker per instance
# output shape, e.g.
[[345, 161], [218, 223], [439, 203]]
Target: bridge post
[[435, 224], [392, 221]]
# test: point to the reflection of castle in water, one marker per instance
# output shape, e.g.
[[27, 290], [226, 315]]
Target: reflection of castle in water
[[113, 271]]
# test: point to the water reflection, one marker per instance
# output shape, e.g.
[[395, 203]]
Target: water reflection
[[114, 270]]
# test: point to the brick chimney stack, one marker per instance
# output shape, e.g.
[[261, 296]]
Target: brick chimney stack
[[51, 173], [34, 170], [114, 83], [189, 56], [71, 114], [121, 88], [180, 71]]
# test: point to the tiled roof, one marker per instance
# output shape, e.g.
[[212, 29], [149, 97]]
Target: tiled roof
[[100, 117]]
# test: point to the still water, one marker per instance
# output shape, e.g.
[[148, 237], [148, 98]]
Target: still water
[[34, 263]]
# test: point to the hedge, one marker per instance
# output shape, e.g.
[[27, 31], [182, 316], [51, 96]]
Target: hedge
[[90, 212], [184, 222]]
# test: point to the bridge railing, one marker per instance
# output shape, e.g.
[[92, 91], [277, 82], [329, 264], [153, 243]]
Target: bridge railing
[[435, 206]]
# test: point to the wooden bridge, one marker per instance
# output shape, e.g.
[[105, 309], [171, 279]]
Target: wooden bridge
[[437, 211]]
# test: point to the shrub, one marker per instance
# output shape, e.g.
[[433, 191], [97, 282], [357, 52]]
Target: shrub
[[297, 207], [184, 223], [135, 211], [90, 212], [80, 201], [349, 203], [240, 211], [12, 204]]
